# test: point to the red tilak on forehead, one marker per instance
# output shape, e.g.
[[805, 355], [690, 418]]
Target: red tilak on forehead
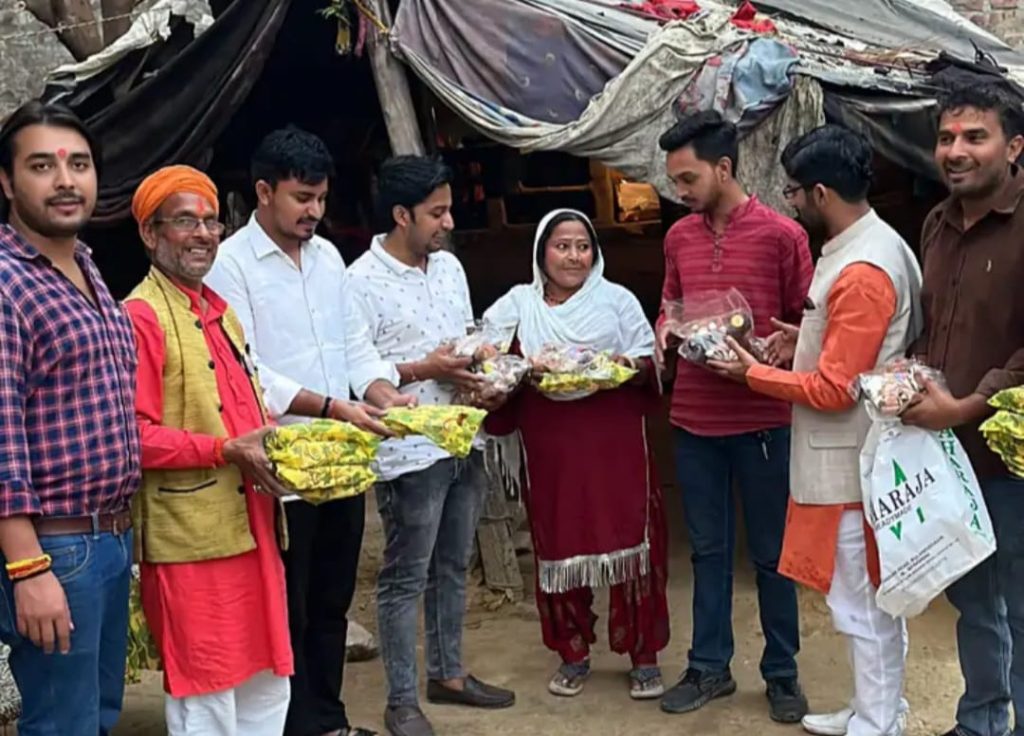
[[203, 207], [957, 128], [62, 153]]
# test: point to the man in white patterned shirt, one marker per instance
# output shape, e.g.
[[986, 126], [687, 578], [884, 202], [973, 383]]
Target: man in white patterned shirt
[[413, 295], [288, 287]]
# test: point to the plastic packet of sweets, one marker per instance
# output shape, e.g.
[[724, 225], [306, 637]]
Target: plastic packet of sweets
[[483, 341], [703, 320], [887, 391], [569, 372], [502, 374]]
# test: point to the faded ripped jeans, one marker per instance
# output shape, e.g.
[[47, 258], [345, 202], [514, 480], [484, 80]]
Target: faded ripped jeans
[[430, 519]]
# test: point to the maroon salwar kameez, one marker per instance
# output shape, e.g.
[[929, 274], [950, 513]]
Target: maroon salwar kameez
[[596, 517]]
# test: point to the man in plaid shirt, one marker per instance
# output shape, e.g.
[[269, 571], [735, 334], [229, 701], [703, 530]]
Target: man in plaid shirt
[[69, 445]]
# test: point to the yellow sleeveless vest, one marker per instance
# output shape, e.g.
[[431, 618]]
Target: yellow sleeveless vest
[[196, 514]]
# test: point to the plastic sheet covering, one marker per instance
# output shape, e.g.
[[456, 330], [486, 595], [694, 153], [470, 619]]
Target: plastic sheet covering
[[621, 125], [538, 58]]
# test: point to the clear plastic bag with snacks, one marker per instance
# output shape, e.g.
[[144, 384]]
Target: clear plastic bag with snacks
[[483, 341], [887, 391], [703, 320], [920, 494], [488, 346], [569, 372]]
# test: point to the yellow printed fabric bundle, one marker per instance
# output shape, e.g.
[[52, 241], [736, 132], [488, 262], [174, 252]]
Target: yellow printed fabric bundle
[[1004, 430], [324, 460], [450, 427]]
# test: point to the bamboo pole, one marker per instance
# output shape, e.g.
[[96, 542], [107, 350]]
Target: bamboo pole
[[393, 88]]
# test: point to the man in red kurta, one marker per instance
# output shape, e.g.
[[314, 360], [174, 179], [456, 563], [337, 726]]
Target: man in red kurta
[[212, 581]]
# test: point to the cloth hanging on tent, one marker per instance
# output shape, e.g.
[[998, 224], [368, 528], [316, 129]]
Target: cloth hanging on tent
[[744, 84], [746, 17], [665, 9]]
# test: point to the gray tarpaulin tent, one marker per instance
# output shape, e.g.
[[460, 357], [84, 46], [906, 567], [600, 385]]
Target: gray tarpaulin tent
[[597, 79]]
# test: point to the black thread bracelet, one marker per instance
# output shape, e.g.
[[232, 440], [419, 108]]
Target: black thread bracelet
[[327, 407]]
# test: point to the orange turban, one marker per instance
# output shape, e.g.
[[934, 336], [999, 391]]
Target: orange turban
[[161, 184]]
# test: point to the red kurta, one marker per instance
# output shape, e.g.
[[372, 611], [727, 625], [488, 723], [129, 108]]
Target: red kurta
[[219, 622], [591, 491]]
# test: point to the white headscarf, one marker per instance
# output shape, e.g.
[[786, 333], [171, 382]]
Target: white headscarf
[[601, 315]]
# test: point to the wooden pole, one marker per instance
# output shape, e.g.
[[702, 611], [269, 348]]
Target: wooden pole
[[393, 89]]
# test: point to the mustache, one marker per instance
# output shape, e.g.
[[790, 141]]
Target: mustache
[[314, 221], [66, 199]]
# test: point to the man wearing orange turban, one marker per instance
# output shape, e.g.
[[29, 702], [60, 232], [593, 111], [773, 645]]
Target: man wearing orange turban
[[212, 581], [179, 179]]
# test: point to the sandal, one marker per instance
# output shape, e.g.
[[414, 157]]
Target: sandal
[[645, 683], [568, 681]]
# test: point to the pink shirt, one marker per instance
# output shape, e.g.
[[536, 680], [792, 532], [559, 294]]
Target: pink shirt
[[766, 257]]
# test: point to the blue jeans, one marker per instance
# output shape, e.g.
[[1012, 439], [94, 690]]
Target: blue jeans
[[990, 631], [430, 520], [79, 693], [758, 464]]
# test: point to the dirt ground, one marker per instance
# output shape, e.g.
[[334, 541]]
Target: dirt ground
[[503, 646]]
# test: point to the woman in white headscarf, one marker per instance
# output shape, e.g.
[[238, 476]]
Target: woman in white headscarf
[[593, 499]]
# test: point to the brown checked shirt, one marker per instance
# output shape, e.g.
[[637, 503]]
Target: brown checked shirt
[[973, 300]]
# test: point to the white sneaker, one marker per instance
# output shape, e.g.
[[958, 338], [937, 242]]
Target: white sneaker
[[828, 724], [834, 724]]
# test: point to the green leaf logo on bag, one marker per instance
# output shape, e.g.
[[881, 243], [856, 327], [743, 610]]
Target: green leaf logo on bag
[[901, 477], [892, 509]]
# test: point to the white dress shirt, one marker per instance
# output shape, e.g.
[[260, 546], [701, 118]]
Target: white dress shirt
[[302, 331], [409, 313]]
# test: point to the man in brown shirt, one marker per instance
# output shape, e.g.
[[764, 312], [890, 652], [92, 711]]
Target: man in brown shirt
[[972, 245]]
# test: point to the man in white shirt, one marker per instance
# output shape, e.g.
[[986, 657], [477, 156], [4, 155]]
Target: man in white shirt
[[413, 295], [288, 287]]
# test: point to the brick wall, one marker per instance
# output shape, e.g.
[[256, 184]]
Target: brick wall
[[1005, 18]]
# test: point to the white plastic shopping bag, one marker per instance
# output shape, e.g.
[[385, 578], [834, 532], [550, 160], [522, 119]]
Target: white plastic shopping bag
[[923, 501]]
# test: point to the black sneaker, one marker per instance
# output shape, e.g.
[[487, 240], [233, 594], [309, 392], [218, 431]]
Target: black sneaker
[[697, 689], [786, 700]]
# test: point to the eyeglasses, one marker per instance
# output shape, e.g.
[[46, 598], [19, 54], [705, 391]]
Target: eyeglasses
[[790, 191], [189, 224]]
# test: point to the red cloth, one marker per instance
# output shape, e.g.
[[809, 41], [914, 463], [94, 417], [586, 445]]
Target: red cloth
[[589, 470], [219, 622], [638, 619], [665, 9], [766, 257], [746, 17]]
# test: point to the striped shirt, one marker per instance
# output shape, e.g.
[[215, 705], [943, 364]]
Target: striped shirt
[[69, 444], [766, 257]]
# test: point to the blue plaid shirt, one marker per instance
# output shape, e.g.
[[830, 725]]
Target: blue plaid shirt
[[69, 444]]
